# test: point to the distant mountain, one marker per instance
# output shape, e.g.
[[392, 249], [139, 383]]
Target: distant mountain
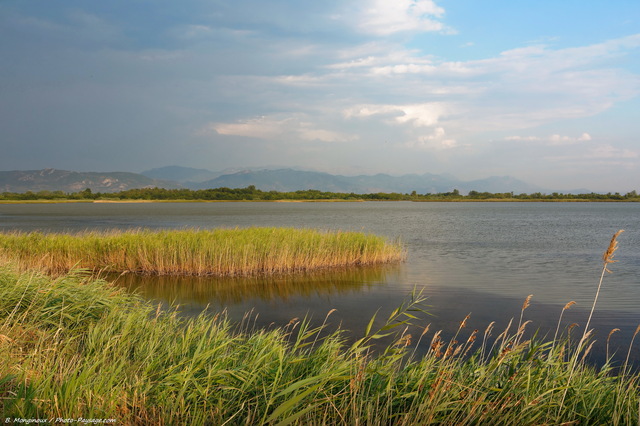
[[293, 180], [264, 179], [68, 181], [181, 174], [500, 184]]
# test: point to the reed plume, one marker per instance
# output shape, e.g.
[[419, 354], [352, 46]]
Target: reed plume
[[607, 259], [567, 306], [609, 338]]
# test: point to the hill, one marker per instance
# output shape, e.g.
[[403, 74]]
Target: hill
[[293, 180], [180, 174], [284, 180], [69, 181]]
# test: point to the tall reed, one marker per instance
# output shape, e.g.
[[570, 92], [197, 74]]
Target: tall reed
[[607, 259], [75, 347], [223, 252]]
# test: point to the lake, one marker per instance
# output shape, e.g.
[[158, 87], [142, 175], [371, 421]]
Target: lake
[[481, 259]]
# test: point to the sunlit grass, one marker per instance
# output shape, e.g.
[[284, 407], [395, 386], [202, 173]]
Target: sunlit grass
[[75, 347], [223, 252]]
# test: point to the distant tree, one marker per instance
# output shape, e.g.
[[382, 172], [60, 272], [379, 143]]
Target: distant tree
[[86, 193]]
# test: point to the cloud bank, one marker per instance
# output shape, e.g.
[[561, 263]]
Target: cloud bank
[[351, 85]]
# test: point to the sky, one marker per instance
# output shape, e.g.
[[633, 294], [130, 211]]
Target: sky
[[544, 91]]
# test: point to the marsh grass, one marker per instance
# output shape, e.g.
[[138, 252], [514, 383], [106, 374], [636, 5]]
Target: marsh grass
[[75, 346], [221, 252]]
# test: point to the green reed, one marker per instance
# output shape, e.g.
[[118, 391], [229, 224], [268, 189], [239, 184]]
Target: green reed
[[75, 346], [223, 252]]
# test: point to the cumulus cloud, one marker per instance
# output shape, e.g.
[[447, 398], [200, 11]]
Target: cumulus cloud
[[418, 115], [434, 141], [538, 85], [273, 127], [553, 140], [383, 17]]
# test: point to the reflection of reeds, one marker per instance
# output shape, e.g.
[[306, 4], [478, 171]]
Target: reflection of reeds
[[221, 252], [232, 290]]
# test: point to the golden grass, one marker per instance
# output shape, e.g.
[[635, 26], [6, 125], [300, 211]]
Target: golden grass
[[221, 252]]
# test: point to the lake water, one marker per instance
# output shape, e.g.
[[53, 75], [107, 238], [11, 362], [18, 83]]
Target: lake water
[[481, 259]]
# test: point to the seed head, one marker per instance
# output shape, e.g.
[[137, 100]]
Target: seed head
[[607, 257], [527, 302], [611, 333], [463, 323]]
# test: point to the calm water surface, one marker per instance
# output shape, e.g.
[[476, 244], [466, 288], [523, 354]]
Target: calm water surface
[[477, 258]]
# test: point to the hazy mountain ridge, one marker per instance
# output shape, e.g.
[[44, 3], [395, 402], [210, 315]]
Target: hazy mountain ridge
[[69, 181], [283, 179], [181, 174], [293, 180]]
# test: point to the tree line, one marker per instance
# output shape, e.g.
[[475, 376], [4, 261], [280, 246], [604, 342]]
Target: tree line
[[252, 193]]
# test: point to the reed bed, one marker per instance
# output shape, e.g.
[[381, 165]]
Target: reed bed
[[221, 252], [75, 347]]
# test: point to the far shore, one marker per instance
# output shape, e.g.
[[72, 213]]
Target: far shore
[[455, 200]]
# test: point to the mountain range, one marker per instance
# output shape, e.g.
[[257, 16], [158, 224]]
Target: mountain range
[[281, 179], [68, 181]]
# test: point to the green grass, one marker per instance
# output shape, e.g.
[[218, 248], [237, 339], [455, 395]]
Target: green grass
[[74, 347], [222, 252]]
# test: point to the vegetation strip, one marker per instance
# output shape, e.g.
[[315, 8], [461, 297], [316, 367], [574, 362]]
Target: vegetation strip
[[76, 347], [221, 252], [250, 193]]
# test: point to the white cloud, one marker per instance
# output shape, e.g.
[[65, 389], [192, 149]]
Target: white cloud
[[553, 140], [435, 141], [584, 137], [610, 152], [537, 85], [261, 128], [295, 127], [385, 17], [568, 140], [522, 138], [418, 115]]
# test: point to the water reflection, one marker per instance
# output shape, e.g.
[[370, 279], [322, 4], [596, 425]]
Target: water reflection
[[202, 291]]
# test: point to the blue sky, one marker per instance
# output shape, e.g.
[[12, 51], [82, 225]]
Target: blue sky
[[544, 91]]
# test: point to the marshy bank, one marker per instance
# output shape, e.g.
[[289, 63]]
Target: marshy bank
[[218, 252], [74, 346]]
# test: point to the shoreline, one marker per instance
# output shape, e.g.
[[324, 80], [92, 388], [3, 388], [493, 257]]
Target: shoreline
[[491, 200]]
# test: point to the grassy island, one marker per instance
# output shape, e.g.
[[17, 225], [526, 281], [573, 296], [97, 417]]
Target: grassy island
[[222, 252]]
